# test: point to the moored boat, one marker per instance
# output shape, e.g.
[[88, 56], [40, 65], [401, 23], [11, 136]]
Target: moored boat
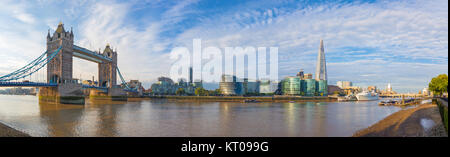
[[367, 96], [347, 98]]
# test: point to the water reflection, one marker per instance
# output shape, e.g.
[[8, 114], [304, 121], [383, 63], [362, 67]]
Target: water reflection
[[61, 120], [171, 118]]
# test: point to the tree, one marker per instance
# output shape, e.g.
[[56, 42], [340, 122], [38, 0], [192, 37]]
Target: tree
[[217, 92], [180, 91], [439, 84], [200, 91]]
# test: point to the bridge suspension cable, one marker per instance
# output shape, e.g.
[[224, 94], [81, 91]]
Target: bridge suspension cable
[[31, 67], [26, 66], [124, 83]]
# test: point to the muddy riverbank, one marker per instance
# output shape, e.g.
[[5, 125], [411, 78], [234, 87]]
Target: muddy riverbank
[[421, 121], [6, 131]]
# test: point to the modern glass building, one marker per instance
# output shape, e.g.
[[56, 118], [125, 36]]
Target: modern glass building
[[303, 87], [310, 87], [230, 86], [239, 88], [322, 87], [291, 86], [252, 87]]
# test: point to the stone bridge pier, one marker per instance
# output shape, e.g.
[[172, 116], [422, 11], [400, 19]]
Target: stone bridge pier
[[66, 93]]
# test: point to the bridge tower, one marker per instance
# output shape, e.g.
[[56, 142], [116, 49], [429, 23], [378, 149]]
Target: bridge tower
[[107, 74], [59, 69]]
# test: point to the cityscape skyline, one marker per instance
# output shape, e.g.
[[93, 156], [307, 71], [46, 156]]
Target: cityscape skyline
[[367, 48]]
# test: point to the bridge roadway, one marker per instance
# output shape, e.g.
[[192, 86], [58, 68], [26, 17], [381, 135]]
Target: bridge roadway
[[39, 84], [27, 84]]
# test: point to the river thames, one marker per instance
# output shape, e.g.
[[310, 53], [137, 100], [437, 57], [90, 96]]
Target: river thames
[[168, 118]]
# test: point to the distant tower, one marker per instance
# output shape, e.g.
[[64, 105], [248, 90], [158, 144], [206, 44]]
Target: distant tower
[[59, 69], [321, 66]]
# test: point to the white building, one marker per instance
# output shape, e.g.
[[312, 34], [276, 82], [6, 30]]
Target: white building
[[425, 92]]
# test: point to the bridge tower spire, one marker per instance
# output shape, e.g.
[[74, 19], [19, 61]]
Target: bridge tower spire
[[107, 70], [59, 69]]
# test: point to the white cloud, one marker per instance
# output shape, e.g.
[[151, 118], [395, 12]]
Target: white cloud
[[20, 41], [18, 10], [400, 29], [140, 48], [410, 33]]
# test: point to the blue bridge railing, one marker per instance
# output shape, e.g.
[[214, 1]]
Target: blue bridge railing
[[27, 84]]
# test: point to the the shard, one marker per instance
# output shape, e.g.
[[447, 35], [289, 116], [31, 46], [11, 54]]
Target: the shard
[[321, 65]]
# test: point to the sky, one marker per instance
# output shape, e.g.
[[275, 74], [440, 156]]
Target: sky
[[404, 42]]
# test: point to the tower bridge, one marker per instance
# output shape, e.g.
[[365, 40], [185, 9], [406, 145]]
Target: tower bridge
[[60, 86]]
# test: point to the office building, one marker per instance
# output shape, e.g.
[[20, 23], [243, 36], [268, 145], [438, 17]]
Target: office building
[[307, 76], [251, 86], [321, 88], [230, 85], [291, 86]]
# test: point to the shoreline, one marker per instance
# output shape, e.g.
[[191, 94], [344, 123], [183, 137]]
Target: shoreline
[[6, 131], [421, 121], [240, 98]]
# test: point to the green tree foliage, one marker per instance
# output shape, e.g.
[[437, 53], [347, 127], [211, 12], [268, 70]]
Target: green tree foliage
[[439, 84], [217, 92], [201, 92], [180, 91]]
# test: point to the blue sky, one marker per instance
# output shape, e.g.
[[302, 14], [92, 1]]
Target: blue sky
[[367, 42]]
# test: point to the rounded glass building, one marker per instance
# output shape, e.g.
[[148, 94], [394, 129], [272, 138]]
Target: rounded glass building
[[291, 86]]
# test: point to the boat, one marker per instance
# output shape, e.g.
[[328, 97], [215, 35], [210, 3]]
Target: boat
[[250, 101], [347, 98], [387, 103], [367, 96]]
